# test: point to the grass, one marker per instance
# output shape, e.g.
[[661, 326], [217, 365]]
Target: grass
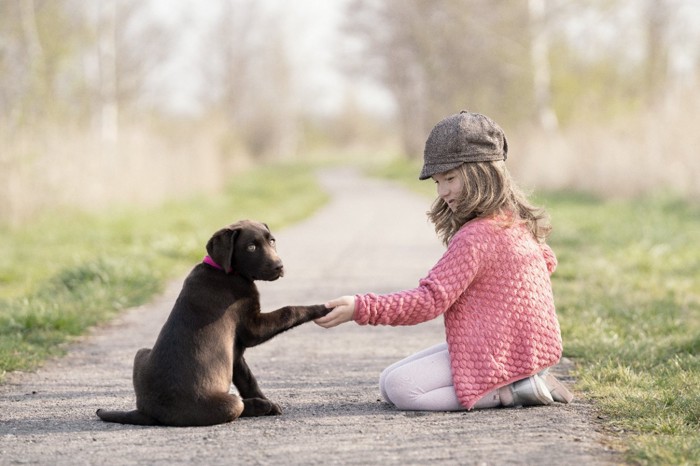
[[628, 300], [68, 271]]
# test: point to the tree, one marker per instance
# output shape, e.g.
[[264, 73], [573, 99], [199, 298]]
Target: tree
[[129, 49], [439, 57], [249, 79], [107, 59], [539, 51], [69, 61], [658, 21], [37, 43]]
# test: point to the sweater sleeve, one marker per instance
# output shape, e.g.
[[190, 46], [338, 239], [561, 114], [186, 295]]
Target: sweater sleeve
[[436, 293]]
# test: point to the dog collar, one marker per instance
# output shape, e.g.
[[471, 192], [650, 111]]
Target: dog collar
[[209, 261]]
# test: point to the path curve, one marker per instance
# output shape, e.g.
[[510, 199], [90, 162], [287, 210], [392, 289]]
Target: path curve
[[371, 236]]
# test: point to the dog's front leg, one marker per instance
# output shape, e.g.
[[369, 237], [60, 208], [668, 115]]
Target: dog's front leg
[[255, 403], [244, 380], [266, 325]]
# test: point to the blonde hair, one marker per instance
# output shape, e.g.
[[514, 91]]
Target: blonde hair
[[488, 190]]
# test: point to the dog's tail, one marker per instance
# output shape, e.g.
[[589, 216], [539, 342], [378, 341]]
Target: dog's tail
[[127, 417]]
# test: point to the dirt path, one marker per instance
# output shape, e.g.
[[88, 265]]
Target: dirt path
[[370, 237]]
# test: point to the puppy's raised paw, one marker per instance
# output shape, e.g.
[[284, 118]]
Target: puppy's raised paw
[[320, 310]]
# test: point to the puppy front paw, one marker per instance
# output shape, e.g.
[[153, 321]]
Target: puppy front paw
[[320, 310], [275, 409], [260, 407]]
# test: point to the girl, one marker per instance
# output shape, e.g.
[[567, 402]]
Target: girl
[[492, 285]]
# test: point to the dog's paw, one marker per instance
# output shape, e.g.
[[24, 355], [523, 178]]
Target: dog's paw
[[260, 407], [275, 409], [320, 310]]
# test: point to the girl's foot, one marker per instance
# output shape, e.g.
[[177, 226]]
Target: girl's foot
[[558, 390], [531, 391]]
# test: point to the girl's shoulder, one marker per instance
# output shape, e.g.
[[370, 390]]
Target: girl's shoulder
[[495, 229], [481, 226], [476, 231]]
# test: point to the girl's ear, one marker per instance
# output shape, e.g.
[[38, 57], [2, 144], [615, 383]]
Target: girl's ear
[[221, 247]]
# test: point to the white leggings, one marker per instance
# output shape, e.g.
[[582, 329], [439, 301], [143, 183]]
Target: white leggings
[[423, 382]]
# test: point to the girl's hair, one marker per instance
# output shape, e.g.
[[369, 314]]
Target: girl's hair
[[488, 189]]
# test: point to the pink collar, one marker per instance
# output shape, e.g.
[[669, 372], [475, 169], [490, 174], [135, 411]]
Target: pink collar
[[209, 261]]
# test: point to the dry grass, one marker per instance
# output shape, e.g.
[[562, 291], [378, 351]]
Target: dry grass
[[151, 162], [646, 153], [58, 167]]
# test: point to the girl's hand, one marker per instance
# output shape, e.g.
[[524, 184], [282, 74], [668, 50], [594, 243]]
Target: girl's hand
[[344, 308]]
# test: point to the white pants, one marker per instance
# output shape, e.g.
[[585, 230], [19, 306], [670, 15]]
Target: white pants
[[423, 382]]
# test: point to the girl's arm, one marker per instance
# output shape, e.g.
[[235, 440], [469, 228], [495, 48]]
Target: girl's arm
[[445, 282], [438, 291]]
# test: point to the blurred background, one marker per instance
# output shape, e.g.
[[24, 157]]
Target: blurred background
[[139, 101]]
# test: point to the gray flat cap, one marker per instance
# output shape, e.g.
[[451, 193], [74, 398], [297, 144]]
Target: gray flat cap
[[462, 138]]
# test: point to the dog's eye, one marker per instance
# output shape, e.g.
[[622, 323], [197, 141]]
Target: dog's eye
[[251, 248], [272, 242]]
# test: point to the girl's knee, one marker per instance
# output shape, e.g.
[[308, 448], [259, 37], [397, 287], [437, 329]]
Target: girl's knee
[[382, 384], [400, 390]]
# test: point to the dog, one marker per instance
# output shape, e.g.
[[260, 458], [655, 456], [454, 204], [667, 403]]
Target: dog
[[184, 380]]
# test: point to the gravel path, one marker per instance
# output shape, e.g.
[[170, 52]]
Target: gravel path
[[371, 236]]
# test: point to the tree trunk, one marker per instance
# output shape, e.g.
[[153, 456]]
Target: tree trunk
[[658, 13], [109, 109], [539, 52], [35, 62]]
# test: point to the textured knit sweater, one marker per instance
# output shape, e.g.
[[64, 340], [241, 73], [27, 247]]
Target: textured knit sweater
[[493, 287]]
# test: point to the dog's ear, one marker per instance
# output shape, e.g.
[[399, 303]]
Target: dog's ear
[[228, 266], [221, 246]]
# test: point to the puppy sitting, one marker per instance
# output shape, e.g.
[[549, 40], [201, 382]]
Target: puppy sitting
[[184, 379]]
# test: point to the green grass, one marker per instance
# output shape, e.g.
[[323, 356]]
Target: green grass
[[627, 290], [628, 296], [68, 271]]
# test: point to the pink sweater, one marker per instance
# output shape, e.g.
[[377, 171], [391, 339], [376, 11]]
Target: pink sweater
[[493, 287]]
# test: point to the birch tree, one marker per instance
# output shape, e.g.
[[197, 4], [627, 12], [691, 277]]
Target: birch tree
[[250, 79], [541, 75], [657, 18], [442, 56], [107, 59]]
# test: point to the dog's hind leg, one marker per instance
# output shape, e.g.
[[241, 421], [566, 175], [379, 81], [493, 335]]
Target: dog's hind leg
[[213, 409], [127, 417]]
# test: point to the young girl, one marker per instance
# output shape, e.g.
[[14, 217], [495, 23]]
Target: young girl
[[492, 285]]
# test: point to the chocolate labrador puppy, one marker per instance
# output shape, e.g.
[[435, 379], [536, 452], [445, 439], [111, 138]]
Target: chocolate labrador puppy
[[184, 380]]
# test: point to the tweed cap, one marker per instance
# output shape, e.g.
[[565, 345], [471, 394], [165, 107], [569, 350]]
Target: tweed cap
[[462, 138]]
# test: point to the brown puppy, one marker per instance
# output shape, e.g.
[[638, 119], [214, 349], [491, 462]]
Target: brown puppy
[[185, 379]]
